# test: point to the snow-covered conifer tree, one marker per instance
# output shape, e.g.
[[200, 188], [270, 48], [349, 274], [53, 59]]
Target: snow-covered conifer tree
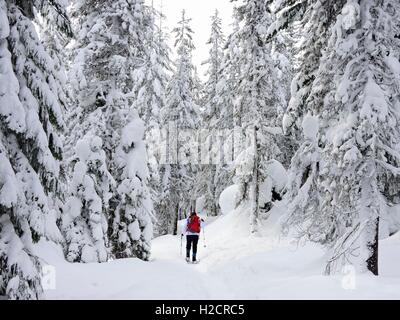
[[258, 101], [214, 72], [85, 216], [132, 224], [55, 37], [150, 85], [31, 118], [304, 200], [228, 119], [228, 84], [310, 22], [211, 114], [113, 40], [352, 93], [150, 78], [359, 120], [180, 100], [182, 113]]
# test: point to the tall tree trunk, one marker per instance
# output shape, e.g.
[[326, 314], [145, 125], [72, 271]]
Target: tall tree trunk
[[372, 262], [371, 202], [193, 205], [254, 188], [176, 219]]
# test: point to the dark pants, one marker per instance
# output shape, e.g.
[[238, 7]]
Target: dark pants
[[191, 239]]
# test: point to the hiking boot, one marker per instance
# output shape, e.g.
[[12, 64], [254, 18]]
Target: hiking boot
[[187, 259]]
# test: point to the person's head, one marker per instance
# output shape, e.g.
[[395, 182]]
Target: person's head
[[193, 213]]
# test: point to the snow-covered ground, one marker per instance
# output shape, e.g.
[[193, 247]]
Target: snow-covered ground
[[233, 266]]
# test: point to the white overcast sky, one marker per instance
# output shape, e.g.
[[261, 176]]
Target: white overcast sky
[[200, 11]]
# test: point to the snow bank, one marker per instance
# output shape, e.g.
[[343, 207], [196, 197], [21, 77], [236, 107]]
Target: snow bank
[[227, 199], [233, 266], [121, 279]]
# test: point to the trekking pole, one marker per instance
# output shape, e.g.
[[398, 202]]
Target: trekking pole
[[204, 236], [181, 242]]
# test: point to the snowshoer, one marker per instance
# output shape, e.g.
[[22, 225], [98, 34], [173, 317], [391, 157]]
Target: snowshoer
[[192, 229]]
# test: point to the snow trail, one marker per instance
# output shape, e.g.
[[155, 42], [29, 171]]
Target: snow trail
[[233, 266]]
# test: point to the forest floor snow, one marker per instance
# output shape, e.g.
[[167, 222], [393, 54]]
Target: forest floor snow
[[233, 266]]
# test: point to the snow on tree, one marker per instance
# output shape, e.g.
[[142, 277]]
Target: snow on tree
[[84, 76], [228, 120], [112, 43], [165, 204], [257, 102], [55, 37], [31, 118], [353, 95], [85, 216], [212, 113], [170, 209], [303, 195], [214, 72], [283, 54], [150, 78], [389, 182], [132, 224], [181, 116], [197, 88], [228, 83], [310, 22], [359, 119], [151, 81], [181, 104]]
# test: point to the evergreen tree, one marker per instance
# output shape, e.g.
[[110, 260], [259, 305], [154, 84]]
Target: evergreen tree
[[310, 21], [150, 78], [198, 88], [151, 82], [228, 120], [214, 72], [283, 54], [212, 113], [132, 227], [31, 118], [303, 195], [168, 202], [54, 38], [228, 83], [181, 116], [85, 217], [180, 100], [352, 92], [113, 40], [359, 119], [258, 101]]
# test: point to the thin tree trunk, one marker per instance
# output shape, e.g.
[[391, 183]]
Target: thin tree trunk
[[370, 200], [177, 216], [255, 187], [372, 262]]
